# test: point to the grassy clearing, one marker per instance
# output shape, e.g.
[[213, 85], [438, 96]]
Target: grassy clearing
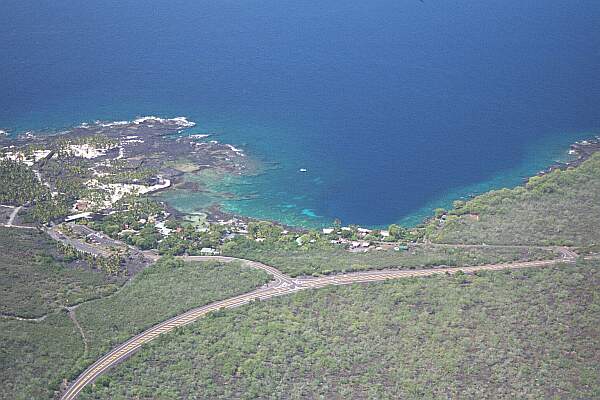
[[37, 280], [328, 259], [526, 334], [560, 208]]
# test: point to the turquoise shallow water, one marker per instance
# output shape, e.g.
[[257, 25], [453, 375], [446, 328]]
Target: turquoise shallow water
[[248, 195], [393, 107]]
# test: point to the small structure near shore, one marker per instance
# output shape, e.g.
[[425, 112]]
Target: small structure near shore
[[74, 217], [208, 251]]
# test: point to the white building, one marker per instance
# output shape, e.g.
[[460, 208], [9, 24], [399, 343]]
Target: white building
[[207, 251]]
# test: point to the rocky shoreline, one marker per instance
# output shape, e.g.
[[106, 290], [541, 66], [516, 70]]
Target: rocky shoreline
[[163, 146], [148, 142], [581, 151], [114, 159]]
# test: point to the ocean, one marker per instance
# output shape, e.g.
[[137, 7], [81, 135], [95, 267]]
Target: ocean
[[393, 108]]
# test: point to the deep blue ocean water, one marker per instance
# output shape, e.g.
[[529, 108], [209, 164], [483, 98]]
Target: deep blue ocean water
[[393, 107]]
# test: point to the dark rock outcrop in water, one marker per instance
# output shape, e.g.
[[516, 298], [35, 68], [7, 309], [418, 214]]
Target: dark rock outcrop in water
[[581, 151], [148, 142]]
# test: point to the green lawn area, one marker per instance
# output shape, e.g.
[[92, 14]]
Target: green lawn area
[[562, 207], [329, 259], [522, 334]]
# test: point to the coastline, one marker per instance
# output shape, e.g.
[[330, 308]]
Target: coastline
[[541, 159], [218, 189], [559, 156], [113, 159]]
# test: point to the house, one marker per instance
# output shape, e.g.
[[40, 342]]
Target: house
[[328, 231], [81, 205], [207, 251], [472, 216], [229, 236], [401, 248], [74, 217], [154, 180], [163, 229]]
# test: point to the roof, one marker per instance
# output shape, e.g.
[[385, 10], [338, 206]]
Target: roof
[[78, 216]]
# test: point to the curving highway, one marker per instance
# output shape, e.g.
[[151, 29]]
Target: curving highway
[[282, 285], [280, 278]]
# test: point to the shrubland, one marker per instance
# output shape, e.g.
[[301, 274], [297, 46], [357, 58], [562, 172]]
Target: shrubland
[[559, 208], [163, 290], [526, 334], [38, 354], [322, 258], [38, 279]]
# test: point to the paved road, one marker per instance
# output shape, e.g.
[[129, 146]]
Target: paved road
[[375, 276], [76, 244], [280, 278], [283, 285]]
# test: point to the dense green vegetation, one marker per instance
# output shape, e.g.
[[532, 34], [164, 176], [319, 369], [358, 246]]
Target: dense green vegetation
[[37, 282], [110, 265], [132, 214], [562, 207], [323, 258], [64, 178], [519, 334], [267, 231], [118, 174], [19, 184], [37, 279], [163, 290], [134, 222], [523, 334], [36, 356], [67, 180], [187, 239]]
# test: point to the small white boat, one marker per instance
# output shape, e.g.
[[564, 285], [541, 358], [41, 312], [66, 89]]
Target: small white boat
[[303, 170]]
